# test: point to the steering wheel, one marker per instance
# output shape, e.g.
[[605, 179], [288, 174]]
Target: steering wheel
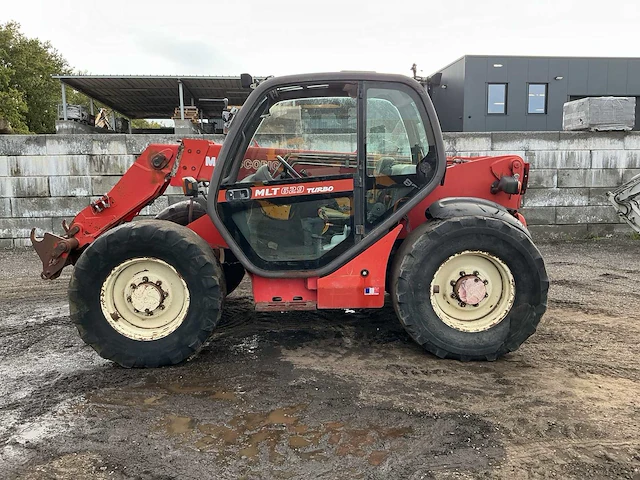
[[290, 170]]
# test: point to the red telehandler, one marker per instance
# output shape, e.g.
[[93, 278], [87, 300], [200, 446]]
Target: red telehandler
[[329, 190]]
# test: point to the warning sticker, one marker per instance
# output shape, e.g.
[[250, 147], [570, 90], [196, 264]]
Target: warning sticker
[[372, 291]]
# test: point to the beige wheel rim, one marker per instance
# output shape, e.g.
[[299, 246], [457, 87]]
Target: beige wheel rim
[[472, 291], [144, 299]]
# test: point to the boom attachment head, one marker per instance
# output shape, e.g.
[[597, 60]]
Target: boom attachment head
[[54, 251]]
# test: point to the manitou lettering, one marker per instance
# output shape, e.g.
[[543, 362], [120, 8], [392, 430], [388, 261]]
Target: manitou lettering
[[266, 192], [320, 189], [209, 161]]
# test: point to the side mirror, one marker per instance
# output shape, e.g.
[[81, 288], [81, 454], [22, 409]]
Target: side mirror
[[246, 80], [190, 187]]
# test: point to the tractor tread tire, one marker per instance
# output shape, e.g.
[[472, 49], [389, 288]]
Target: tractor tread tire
[[178, 246], [179, 213], [426, 247]]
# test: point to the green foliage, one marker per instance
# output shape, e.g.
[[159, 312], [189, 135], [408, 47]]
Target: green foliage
[[13, 107], [29, 96], [142, 123]]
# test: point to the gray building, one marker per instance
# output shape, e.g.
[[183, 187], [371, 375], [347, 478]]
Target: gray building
[[479, 93]]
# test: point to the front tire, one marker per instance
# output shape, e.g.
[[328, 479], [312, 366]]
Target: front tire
[[147, 294], [469, 288]]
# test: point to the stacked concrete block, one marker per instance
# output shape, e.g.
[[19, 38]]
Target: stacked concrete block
[[599, 114]]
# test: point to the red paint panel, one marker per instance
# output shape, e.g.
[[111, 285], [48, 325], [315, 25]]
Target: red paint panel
[[197, 160], [207, 230], [287, 289], [347, 288], [295, 189], [472, 178]]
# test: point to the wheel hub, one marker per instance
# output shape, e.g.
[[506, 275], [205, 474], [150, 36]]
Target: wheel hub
[[470, 289], [146, 297]]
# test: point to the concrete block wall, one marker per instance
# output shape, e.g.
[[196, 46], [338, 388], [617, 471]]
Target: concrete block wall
[[47, 178], [571, 172]]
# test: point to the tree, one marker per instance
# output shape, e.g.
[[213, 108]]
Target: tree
[[145, 124], [13, 107], [29, 96]]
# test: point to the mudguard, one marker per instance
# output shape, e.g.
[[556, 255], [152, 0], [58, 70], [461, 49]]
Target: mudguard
[[470, 206]]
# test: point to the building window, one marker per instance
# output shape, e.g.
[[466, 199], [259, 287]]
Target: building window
[[537, 100], [497, 98]]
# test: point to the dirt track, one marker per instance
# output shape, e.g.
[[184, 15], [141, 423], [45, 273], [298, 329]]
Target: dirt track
[[331, 394]]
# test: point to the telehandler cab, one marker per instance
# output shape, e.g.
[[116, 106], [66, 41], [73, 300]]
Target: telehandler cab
[[329, 190]]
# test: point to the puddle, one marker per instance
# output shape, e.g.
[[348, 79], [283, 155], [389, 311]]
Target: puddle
[[231, 396], [179, 425], [152, 400], [271, 435], [211, 391], [274, 433], [377, 457], [141, 396], [299, 442]]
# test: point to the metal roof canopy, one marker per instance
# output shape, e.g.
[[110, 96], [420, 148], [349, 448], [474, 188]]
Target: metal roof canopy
[[142, 96]]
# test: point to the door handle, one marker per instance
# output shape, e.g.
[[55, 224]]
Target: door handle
[[237, 194]]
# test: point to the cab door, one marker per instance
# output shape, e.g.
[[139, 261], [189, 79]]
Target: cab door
[[289, 201]]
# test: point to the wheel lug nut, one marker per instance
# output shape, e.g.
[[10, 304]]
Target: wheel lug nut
[[486, 295], [158, 283], [453, 295], [129, 299], [486, 282], [452, 283], [145, 279], [161, 307], [462, 273], [476, 273], [134, 286], [462, 304]]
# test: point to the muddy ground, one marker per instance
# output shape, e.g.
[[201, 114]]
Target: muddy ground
[[331, 394]]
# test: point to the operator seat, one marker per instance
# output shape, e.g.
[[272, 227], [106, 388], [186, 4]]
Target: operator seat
[[384, 166], [261, 175]]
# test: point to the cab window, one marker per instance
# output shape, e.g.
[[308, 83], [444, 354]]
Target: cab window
[[401, 159], [294, 178]]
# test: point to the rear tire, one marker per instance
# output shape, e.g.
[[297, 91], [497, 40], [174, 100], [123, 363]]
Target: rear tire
[[179, 213], [147, 294], [441, 263]]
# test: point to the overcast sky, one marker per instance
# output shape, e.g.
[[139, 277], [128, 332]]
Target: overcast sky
[[269, 37]]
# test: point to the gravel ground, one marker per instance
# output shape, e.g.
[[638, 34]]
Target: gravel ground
[[330, 394]]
